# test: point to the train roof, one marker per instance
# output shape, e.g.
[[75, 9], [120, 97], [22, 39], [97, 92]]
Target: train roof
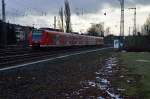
[[58, 31], [50, 29], [71, 34]]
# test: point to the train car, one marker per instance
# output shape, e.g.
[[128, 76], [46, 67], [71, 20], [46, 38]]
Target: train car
[[50, 38]]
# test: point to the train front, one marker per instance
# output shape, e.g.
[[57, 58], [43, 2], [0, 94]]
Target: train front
[[35, 38]]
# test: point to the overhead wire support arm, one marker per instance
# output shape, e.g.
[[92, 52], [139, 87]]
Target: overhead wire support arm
[[135, 30]]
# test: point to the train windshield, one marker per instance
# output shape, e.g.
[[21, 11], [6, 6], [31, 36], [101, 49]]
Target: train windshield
[[36, 32], [36, 35]]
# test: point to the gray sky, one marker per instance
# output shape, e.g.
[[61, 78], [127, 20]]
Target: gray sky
[[41, 12], [51, 6]]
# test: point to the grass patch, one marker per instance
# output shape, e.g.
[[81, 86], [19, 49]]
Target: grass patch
[[131, 60]]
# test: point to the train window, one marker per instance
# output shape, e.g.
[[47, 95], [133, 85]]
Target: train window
[[68, 39], [65, 39], [56, 39], [36, 35], [36, 32]]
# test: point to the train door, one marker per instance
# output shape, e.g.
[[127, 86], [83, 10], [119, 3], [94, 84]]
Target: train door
[[56, 39]]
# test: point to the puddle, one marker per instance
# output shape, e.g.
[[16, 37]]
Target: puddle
[[103, 79], [145, 61], [104, 83]]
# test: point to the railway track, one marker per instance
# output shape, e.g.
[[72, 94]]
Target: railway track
[[9, 52], [14, 58]]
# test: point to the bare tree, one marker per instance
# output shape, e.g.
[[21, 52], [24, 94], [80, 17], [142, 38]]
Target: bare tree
[[146, 27], [67, 17], [61, 15], [107, 31], [96, 30]]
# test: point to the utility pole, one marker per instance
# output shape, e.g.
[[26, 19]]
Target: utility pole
[[4, 33], [121, 38], [135, 30], [129, 30], [122, 18], [54, 22], [3, 11]]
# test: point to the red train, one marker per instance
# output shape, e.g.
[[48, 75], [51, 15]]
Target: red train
[[51, 38]]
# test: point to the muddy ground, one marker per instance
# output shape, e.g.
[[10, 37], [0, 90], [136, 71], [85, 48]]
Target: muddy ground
[[97, 75]]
